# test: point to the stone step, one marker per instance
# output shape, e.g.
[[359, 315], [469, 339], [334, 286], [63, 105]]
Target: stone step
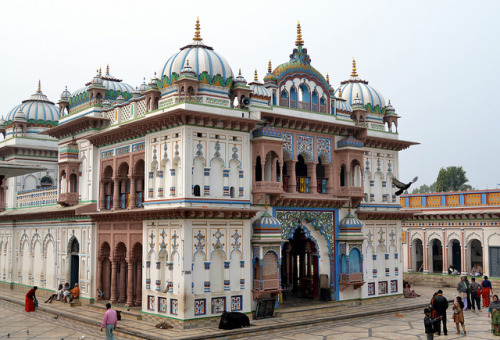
[[293, 312], [126, 314]]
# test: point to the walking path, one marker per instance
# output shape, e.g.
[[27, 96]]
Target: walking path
[[145, 329]]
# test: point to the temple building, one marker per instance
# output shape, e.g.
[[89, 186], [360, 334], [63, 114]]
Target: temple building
[[457, 229], [199, 192]]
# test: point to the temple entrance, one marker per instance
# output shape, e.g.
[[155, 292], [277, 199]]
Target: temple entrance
[[299, 271]]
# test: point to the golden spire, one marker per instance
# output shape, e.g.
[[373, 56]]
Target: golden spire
[[239, 72], [255, 76], [354, 74], [100, 72], [328, 78], [269, 67], [197, 36], [340, 91], [299, 41], [107, 69], [39, 86]]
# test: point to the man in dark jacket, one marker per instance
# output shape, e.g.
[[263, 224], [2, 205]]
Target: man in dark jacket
[[440, 305]]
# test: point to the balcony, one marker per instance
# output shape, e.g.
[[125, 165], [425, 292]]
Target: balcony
[[68, 198], [36, 197], [353, 279], [304, 106], [303, 184], [267, 187], [350, 192]]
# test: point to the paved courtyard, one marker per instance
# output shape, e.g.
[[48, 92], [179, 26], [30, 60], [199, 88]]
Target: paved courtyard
[[400, 324]]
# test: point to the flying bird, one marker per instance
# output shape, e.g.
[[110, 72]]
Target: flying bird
[[402, 186]]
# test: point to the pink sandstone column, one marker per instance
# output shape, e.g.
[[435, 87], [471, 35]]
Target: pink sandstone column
[[114, 265], [116, 194], [138, 284], [99, 276], [130, 284], [122, 297]]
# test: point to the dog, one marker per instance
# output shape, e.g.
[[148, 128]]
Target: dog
[[232, 320]]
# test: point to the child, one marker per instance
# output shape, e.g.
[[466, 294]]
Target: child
[[429, 324], [458, 314]]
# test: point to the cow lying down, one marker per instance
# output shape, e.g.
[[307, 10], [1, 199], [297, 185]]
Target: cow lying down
[[232, 320]]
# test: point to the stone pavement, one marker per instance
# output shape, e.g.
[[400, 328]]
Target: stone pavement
[[368, 320]]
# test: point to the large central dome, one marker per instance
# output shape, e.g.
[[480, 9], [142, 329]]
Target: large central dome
[[209, 66]]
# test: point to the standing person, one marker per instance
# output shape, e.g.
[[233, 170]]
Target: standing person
[[475, 289], [29, 303], [494, 311], [467, 283], [462, 288], [458, 314], [440, 305], [429, 324], [486, 291], [109, 322]]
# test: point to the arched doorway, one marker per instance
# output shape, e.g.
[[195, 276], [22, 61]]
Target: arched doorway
[[436, 256], [476, 254], [454, 255], [74, 269], [300, 272], [417, 255]]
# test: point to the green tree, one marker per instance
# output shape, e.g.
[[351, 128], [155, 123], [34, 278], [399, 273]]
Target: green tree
[[424, 188], [452, 178]]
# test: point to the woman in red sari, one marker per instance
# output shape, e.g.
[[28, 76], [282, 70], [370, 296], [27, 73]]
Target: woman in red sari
[[30, 300], [486, 291]]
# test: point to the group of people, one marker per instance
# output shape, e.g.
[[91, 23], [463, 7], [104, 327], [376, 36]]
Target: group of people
[[65, 294], [470, 294]]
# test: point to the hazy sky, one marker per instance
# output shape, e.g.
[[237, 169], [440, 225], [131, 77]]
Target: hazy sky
[[438, 61]]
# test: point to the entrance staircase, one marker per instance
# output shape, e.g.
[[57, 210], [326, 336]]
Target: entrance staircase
[[310, 309]]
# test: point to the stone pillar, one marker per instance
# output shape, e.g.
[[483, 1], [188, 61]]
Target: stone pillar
[[281, 171], [273, 170], [116, 194], [114, 265], [99, 276], [311, 173], [292, 181], [261, 269], [158, 276], [330, 182], [206, 183], [102, 195], [130, 284], [138, 284], [132, 193], [123, 292], [43, 279], [227, 282]]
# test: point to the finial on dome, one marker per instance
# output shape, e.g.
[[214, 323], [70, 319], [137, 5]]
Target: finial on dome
[[100, 72], [39, 86], [197, 36], [389, 102], [340, 91], [354, 74], [187, 62], [269, 67], [328, 78], [299, 41], [239, 72], [255, 76], [266, 203], [107, 69]]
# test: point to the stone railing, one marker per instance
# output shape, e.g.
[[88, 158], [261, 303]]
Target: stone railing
[[267, 284], [35, 197], [267, 187]]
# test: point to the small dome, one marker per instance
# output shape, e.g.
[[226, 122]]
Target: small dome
[[270, 77], [37, 109], [204, 60], [2, 124], [357, 104], [267, 131], [20, 116], [143, 87], [258, 89], [389, 109], [106, 103], [267, 223], [65, 94], [97, 80], [120, 99], [137, 92], [187, 70], [350, 223], [341, 105], [240, 80]]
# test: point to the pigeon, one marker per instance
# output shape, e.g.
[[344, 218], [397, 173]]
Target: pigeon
[[27, 331], [8, 335], [56, 317], [402, 186]]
